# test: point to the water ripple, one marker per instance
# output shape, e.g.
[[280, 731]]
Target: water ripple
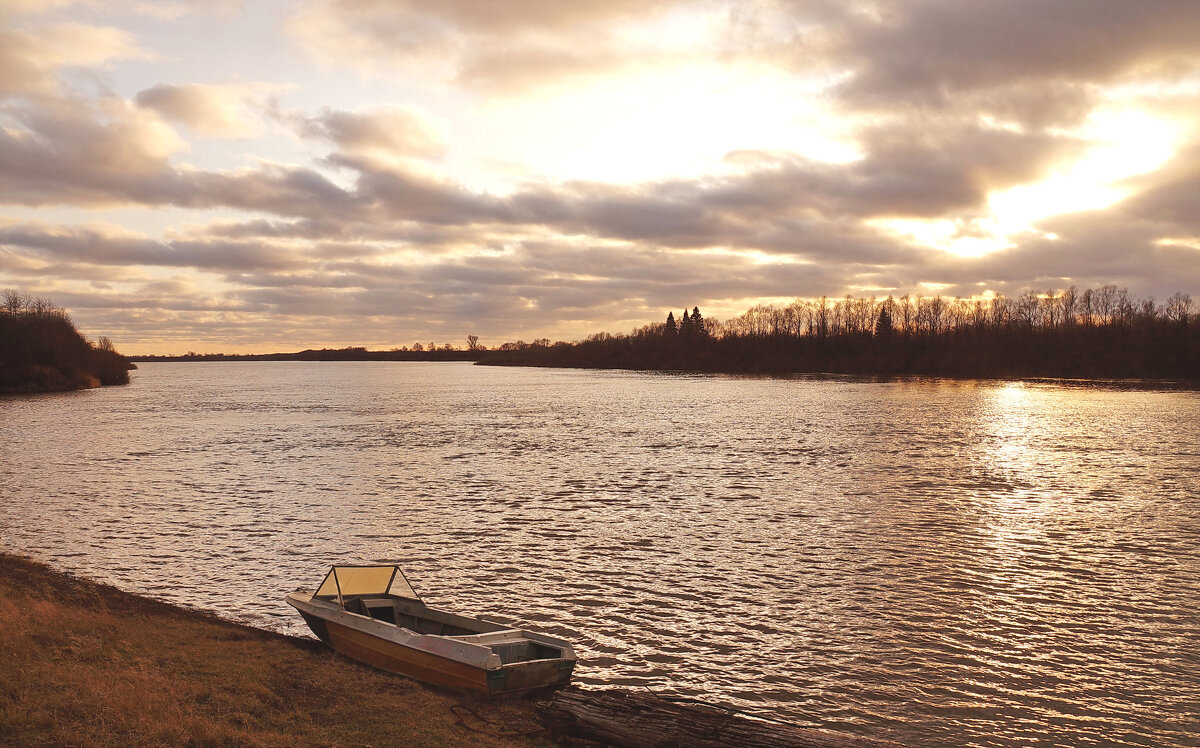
[[939, 563]]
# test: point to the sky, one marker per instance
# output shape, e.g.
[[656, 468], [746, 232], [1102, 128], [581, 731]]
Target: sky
[[225, 176]]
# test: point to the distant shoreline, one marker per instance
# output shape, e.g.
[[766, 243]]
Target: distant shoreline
[[323, 354], [1169, 352], [506, 359]]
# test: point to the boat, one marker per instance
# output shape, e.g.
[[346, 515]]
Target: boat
[[370, 613]]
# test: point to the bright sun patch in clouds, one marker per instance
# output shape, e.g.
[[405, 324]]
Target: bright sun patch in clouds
[[965, 238], [1125, 144], [664, 123], [1175, 241], [1128, 143]]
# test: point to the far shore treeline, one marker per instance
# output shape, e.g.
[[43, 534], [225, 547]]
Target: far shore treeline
[[350, 353], [1099, 334], [41, 351], [1104, 333]]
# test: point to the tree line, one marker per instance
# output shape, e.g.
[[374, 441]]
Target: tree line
[[42, 351], [418, 352], [1094, 333], [1107, 306]]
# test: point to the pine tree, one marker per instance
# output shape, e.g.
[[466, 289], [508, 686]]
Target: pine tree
[[672, 328], [685, 325], [883, 325], [698, 322]]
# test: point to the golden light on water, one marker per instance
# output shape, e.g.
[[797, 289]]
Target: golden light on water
[[1007, 426], [959, 555]]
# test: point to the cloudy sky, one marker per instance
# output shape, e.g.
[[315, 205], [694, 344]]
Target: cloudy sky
[[268, 175]]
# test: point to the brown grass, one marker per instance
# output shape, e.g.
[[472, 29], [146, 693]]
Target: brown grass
[[83, 664]]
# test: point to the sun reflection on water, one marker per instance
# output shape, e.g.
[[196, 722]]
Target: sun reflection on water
[[939, 563]]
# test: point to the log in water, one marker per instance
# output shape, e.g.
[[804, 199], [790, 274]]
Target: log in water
[[643, 720]]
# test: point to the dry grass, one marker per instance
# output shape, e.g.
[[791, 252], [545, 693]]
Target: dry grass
[[83, 664]]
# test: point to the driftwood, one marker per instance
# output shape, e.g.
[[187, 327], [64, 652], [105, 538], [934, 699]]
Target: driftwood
[[634, 720]]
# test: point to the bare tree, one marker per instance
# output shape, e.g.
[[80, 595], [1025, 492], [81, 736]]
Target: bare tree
[[1028, 308], [937, 309], [978, 314], [1105, 301], [906, 313], [13, 302], [1179, 307], [1069, 302], [1001, 311], [1125, 307], [1087, 308]]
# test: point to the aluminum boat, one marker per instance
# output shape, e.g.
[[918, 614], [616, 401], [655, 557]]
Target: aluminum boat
[[371, 614]]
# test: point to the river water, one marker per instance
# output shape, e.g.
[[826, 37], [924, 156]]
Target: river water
[[939, 563]]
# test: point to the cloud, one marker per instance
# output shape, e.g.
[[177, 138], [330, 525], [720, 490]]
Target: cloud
[[106, 245], [73, 153], [933, 50], [776, 202], [1170, 197], [12, 8], [398, 28], [31, 59], [219, 111], [494, 47], [519, 68], [387, 132], [1024, 59], [113, 153], [356, 223], [948, 169]]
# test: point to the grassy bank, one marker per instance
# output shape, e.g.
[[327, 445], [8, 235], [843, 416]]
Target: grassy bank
[[88, 665]]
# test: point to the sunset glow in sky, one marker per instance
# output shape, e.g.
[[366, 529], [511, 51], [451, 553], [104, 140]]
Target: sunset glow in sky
[[271, 176]]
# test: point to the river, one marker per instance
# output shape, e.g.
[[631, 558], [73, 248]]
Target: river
[[935, 562]]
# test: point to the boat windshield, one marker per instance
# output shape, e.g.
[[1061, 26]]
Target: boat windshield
[[342, 581]]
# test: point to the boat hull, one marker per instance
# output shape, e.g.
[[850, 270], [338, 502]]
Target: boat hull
[[442, 661], [396, 658]]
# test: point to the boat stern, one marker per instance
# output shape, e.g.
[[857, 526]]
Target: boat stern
[[523, 678]]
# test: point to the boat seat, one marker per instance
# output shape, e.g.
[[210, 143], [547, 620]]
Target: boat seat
[[379, 609], [494, 637]]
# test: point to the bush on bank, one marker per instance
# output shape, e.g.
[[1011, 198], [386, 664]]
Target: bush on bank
[[41, 351]]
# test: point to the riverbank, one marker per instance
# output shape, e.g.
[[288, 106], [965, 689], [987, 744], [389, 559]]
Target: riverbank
[[88, 665], [1165, 352], [325, 354], [42, 351]]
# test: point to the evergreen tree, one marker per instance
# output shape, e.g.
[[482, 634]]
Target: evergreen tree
[[685, 325], [698, 322], [883, 325], [672, 328]]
